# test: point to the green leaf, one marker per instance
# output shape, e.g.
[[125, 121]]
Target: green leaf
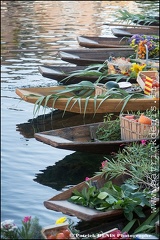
[[129, 226], [85, 106], [110, 199], [128, 187], [37, 105], [68, 102], [102, 195], [144, 228], [46, 101], [148, 220], [129, 216], [139, 212], [73, 102]]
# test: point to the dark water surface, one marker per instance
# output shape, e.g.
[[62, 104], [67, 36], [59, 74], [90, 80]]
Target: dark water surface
[[32, 33]]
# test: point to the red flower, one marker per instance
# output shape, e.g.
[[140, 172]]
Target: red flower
[[27, 219], [143, 142]]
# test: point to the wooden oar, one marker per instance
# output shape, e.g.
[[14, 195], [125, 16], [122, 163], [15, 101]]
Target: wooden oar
[[128, 25]]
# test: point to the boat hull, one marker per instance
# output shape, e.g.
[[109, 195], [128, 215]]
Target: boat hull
[[102, 42], [59, 73], [129, 32], [85, 57], [31, 95], [81, 138]]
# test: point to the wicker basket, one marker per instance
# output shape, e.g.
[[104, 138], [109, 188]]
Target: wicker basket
[[131, 129], [100, 89], [54, 229]]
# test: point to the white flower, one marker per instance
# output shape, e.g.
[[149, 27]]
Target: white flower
[[8, 225]]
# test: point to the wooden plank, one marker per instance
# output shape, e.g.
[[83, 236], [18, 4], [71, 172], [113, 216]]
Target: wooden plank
[[129, 32]]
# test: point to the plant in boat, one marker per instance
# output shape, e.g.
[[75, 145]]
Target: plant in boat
[[147, 226], [75, 93], [111, 131], [140, 162], [124, 15], [112, 69], [127, 197]]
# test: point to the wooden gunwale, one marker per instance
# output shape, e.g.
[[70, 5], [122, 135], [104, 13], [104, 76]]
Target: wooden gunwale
[[110, 105]]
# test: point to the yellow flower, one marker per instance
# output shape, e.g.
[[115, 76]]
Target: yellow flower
[[136, 67], [61, 220]]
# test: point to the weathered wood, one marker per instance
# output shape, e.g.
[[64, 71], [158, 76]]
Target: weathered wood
[[102, 42], [129, 32], [84, 57], [109, 105], [59, 73], [82, 138], [60, 202]]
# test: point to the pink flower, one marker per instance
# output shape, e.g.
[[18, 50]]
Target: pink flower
[[104, 163], [87, 179], [143, 142], [27, 219]]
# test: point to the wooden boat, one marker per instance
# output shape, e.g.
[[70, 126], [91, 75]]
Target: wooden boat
[[82, 138], [55, 120], [102, 42], [85, 57], [109, 105], [136, 25], [59, 73], [129, 32], [60, 202]]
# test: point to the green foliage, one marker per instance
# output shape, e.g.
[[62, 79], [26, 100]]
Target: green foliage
[[124, 15], [76, 95], [111, 196], [110, 130], [35, 229], [30, 229], [137, 161], [147, 226]]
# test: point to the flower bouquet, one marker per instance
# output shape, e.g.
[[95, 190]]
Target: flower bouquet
[[143, 44], [124, 66]]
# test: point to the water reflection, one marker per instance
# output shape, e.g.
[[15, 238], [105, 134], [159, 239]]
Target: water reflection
[[55, 120], [71, 170]]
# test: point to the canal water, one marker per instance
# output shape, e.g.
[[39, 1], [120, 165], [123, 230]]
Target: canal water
[[32, 33]]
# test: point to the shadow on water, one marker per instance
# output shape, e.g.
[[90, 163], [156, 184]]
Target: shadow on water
[[71, 170], [55, 120]]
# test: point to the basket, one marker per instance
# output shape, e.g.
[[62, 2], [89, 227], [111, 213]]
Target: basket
[[54, 229], [147, 84], [100, 89], [131, 129]]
